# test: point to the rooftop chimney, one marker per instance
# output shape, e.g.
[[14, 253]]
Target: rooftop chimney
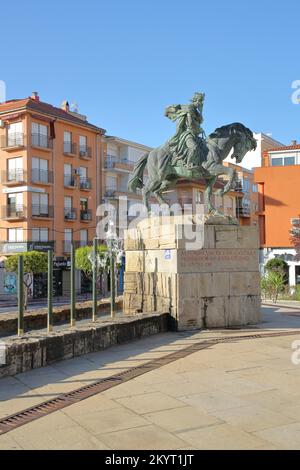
[[294, 142], [65, 106], [35, 96]]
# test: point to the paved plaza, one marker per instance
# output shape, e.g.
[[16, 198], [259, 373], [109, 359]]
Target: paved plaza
[[242, 394]]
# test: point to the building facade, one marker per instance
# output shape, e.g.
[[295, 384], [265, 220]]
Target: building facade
[[246, 195], [120, 157], [253, 159], [279, 209], [50, 182]]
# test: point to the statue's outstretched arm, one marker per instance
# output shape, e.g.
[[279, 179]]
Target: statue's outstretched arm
[[171, 111]]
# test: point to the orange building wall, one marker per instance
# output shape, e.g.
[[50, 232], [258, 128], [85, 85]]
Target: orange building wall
[[279, 202], [56, 191]]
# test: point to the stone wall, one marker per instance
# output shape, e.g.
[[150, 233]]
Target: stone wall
[[40, 349], [37, 319], [213, 283]]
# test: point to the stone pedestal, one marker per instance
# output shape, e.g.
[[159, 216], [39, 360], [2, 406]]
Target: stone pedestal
[[210, 282]]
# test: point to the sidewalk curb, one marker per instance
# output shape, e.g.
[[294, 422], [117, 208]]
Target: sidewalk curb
[[280, 305]]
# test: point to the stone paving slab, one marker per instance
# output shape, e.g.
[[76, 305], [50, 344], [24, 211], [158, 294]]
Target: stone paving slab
[[237, 395]]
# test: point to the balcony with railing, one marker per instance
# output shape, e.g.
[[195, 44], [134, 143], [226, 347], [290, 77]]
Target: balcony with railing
[[70, 213], [41, 141], [243, 211], [13, 177], [42, 211], [85, 152], [41, 176], [238, 186], [121, 188], [85, 183], [114, 162], [12, 141], [13, 212], [86, 215], [69, 181], [69, 148]]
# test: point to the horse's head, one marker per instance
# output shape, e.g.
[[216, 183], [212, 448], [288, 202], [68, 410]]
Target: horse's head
[[240, 138], [244, 141]]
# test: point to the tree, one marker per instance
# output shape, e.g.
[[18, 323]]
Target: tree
[[83, 259], [278, 265], [295, 236], [35, 262]]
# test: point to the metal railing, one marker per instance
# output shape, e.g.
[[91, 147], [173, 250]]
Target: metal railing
[[238, 186], [17, 175], [69, 180], [41, 140], [12, 140], [85, 152], [70, 148], [41, 176], [112, 160], [243, 212], [110, 191], [42, 210], [13, 211], [70, 213], [85, 183], [86, 215]]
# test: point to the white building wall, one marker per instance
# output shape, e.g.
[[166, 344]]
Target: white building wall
[[253, 159], [288, 254]]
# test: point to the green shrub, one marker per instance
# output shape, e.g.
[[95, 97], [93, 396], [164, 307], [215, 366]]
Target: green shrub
[[280, 266]]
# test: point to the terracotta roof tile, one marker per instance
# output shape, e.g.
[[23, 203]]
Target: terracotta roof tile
[[45, 108]]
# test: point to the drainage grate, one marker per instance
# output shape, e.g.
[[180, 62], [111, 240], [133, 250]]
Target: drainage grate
[[31, 414]]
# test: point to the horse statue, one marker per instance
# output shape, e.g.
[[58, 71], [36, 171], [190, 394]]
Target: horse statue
[[201, 158]]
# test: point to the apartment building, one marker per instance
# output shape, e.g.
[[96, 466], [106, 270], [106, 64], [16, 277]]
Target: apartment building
[[279, 208], [120, 156], [189, 194], [246, 195], [50, 182]]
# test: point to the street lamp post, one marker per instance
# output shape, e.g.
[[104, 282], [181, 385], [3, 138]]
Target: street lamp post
[[20, 295], [95, 268], [113, 244]]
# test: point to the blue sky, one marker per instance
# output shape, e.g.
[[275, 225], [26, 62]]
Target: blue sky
[[123, 61]]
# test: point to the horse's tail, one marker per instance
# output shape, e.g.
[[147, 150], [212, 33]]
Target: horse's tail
[[136, 180]]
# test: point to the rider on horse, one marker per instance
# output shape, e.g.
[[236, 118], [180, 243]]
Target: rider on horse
[[186, 143]]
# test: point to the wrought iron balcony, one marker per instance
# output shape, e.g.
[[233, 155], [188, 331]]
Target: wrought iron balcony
[[41, 141], [42, 210], [85, 152], [13, 177], [12, 140], [69, 181], [85, 183], [70, 148], [86, 215], [14, 211], [70, 213]]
